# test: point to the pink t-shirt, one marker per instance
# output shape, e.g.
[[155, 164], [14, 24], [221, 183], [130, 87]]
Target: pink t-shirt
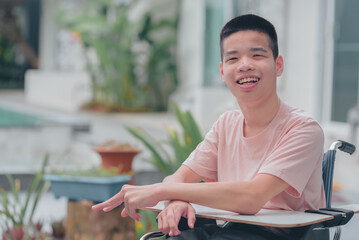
[[291, 148]]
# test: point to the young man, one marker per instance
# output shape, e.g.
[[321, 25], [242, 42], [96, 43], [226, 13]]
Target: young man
[[268, 155]]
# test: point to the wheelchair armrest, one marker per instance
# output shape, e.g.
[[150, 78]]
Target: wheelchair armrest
[[338, 217]]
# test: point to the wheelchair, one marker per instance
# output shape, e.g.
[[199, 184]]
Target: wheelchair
[[338, 219]]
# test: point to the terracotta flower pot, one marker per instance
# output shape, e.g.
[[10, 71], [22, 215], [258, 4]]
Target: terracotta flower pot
[[120, 159]]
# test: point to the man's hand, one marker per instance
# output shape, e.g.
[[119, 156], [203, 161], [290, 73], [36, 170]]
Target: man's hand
[[134, 197], [169, 217]]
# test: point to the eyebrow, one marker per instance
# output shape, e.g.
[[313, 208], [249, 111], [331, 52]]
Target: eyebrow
[[253, 49], [258, 49], [232, 52]]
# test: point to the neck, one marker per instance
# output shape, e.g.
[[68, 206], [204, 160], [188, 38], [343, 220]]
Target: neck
[[258, 115]]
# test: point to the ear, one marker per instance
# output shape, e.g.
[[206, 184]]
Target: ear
[[279, 66], [221, 71]]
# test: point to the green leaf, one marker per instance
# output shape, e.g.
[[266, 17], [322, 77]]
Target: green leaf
[[14, 190], [181, 147], [151, 217], [45, 186], [34, 186], [178, 147], [193, 130], [159, 153], [190, 128], [6, 211]]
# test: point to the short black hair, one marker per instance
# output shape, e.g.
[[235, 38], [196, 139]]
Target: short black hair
[[250, 22]]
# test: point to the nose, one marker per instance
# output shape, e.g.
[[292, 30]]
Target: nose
[[245, 64]]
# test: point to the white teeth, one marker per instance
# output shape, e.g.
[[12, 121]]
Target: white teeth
[[248, 80]]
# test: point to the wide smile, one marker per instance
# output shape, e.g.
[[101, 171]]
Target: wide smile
[[247, 81]]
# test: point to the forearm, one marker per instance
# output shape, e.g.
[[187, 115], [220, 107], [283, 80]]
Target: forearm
[[183, 185], [173, 179], [231, 196], [183, 175], [242, 197]]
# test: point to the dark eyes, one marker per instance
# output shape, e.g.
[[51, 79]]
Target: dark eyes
[[232, 59]]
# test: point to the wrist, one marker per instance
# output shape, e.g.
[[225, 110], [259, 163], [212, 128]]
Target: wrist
[[160, 191]]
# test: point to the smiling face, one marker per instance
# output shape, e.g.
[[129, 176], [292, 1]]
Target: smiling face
[[248, 67]]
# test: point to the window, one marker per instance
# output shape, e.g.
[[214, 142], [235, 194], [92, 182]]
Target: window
[[214, 23], [345, 86]]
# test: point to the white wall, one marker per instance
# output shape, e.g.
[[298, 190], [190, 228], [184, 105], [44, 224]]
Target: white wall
[[190, 55], [67, 91], [303, 63]]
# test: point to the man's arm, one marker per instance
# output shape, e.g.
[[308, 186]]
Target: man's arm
[[183, 175], [242, 197], [149, 196]]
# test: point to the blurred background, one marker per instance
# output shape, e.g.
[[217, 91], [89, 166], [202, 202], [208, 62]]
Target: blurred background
[[73, 74]]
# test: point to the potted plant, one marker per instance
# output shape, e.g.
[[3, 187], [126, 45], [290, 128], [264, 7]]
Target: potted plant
[[95, 184], [182, 144], [83, 189], [131, 61], [16, 213], [117, 157]]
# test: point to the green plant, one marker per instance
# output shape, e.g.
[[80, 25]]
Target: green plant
[[136, 69], [11, 32], [92, 172], [161, 67], [18, 213], [30, 232], [182, 144], [146, 224]]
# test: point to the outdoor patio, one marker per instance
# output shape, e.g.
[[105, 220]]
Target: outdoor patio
[[110, 126], [76, 147], [125, 62]]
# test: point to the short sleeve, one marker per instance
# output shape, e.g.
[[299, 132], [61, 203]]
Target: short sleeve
[[203, 160], [297, 155]]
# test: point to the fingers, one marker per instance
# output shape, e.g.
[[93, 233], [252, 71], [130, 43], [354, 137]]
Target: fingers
[[169, 218], [108, 205], [173, 219], [133, 198], [130, 210], [191, 217], [111, 203], [165, 225], [137, 216]]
